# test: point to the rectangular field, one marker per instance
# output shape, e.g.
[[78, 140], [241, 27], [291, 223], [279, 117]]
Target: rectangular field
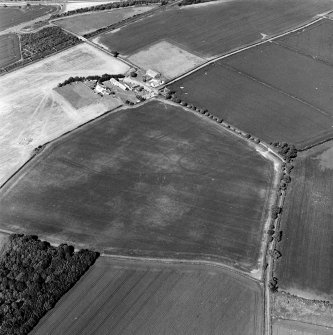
[[296, 75], [11, 16], [315, 41], [155, 180], [9, 49], [253, 107], [86, 23], [287, 327], [32, 113], [306, 266], [127, 297], [214, 28]]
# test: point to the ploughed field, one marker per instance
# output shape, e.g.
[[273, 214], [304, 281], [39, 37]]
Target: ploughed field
[[314, 41], [127, 297], [11, 16], [306, 264], [269, 91], [155, 180], [86, 23], [9, 49], [215, 28]]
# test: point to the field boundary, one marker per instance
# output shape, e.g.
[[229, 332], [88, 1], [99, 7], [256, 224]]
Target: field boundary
[[183, 261]]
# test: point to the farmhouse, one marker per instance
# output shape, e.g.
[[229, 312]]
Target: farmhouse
[[100, 88], [153, 74]]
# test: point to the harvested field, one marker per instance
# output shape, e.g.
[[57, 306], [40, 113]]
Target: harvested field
[[315, 41], [37, 114], [287, 327], [127, 297], [155, 180], [305, 268], [166, 58], [9, 49], [214, 28], [86, 23], [11, 16], [297, 75], [253, 107]]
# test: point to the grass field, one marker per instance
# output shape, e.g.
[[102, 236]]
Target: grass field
[[315, 41], [32, 113], [9, 49], [294, 74], [166, 58], [12, 16], [305, 267], [80, 95], [214, 28], [253, 107], [86, 23], [155, 180], [124, 297], [68, 6], [287, 327]]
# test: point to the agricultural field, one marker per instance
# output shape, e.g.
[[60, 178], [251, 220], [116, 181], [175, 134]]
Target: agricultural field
[[9, 49], [11, 16], [166, 58], [287, 327], [213, 28], [38, 114], [127, 297], [155, 180], [86, 23], [315, 41], [253, 107], [305, 268], [296, 75]]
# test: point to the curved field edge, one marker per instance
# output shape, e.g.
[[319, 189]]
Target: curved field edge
[[150, 297], [55, 234]]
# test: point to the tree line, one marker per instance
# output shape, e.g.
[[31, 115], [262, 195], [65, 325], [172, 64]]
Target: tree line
[[193, 2], [34, 275], [108, 6], [99, 79]]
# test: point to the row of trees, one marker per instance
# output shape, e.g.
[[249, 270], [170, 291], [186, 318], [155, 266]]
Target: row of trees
[[287, 151], [108, 6], [46, 41], [99, 79], [192, 2], [33, 277]]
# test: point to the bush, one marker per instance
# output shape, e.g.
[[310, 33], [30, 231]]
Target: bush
[[276, 210]]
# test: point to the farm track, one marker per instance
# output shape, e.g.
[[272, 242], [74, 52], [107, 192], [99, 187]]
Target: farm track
[[246, 47]]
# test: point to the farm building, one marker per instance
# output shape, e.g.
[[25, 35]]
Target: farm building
[[153, 74], [132, 83], [156, 82], [115, 82]]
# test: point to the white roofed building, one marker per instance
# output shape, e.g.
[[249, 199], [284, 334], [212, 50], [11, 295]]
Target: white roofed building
[[153, 74]]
